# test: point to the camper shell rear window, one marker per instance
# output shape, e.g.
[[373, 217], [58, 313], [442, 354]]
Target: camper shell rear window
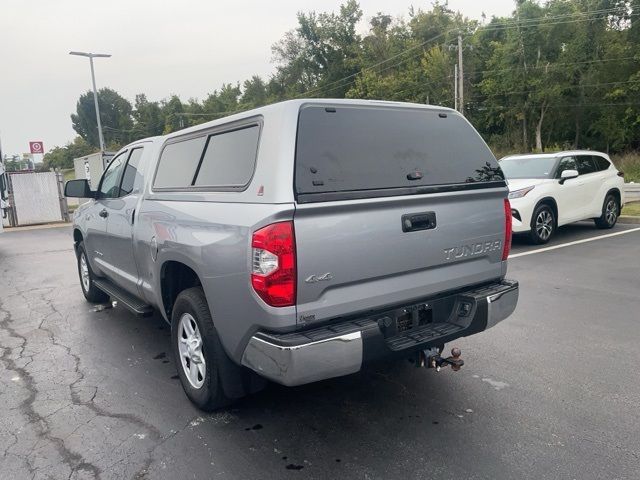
[[345, 151]]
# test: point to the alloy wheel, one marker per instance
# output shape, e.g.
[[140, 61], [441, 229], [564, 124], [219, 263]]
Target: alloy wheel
[[190, 348], [544, 224], [84, 272], [611, 212]]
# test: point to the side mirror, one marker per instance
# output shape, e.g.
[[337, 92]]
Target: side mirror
[[567, 174], [78, 189]]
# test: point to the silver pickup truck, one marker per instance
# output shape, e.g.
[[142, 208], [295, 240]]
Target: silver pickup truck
[[298, 241]]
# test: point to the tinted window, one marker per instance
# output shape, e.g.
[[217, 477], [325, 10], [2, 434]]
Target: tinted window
[[230, 158], [178, 163], [3, 187], [109, 186], [527, 167], [345, 148], [566, 163], [601, 163], [131, 177], [585, 164]]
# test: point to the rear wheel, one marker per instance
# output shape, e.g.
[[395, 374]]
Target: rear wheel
[[543, 224], [90, 291], [610, 211], [198, 353]]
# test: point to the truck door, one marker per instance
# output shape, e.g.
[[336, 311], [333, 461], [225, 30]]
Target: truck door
[[96, 215], [120, 220]]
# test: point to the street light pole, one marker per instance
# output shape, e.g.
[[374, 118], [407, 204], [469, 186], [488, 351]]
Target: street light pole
[[91, 56]]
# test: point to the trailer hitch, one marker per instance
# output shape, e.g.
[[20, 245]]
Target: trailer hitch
[[431, 358]]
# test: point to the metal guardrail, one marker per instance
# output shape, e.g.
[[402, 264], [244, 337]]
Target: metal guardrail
[[632, 192]]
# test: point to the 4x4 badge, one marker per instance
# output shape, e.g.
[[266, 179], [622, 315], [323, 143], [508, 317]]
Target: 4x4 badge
[[325, 277]]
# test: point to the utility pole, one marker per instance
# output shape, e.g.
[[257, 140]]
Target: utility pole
[[455, 87], [91, 56], [460, 76]]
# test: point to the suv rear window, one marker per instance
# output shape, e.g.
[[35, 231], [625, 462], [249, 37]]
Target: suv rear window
[[360, 149], [601, 163]]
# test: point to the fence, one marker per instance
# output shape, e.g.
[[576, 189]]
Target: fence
[[632, 192], [36, 198]]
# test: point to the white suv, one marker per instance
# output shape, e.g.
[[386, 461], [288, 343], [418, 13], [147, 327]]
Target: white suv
[[549, 190]]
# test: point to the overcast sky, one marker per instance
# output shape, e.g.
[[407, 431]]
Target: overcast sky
[[159, 48]]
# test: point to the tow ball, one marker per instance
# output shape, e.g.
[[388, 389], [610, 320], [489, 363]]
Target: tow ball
[[431, 358]]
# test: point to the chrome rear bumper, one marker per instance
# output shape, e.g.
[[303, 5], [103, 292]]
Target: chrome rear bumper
[[305, 363], [340, 349]]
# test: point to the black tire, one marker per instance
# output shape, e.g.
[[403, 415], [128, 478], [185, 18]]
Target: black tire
[[610, 212], [211, 394], [543, 224], [92, 293]]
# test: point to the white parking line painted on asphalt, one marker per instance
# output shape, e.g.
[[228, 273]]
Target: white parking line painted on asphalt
[[568, 244]]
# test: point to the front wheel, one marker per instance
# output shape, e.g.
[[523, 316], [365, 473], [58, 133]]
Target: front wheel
[[89, 289], [543, 224], [610, 211]]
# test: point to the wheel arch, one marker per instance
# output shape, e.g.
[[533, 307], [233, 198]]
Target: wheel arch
[[77, 238], [616, 193], [175, 276], [550, 201]]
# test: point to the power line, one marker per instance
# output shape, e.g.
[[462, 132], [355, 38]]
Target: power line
[[588, 85], [491, 27], [482, 106], [555, 65]]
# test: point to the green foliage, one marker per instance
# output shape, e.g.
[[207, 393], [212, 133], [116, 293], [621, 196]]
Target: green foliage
[[115, 115], [62, 157], [629, 163], [553, 75]]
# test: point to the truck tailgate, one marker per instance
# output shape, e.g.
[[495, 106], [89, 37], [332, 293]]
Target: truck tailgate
[[362, 255]]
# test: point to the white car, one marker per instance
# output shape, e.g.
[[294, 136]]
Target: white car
[[550, 190]]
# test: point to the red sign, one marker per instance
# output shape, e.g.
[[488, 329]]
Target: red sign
[[36, 147]]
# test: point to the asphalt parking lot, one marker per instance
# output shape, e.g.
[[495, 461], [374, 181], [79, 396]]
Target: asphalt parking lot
[[551, 393]]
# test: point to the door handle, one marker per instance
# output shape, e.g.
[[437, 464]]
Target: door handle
[[103, 213]]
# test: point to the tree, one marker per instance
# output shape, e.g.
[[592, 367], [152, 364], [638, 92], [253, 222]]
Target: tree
[[551, 75], [62, 157], [320, 52], [173, 112], [148, 117], [254, 93], [115, 115]]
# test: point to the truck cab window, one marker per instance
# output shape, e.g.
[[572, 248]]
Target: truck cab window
[[131, 177], [110, 183]]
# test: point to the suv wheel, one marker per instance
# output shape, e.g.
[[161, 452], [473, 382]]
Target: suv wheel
[[610, 210], [543, 224], [198, 353], [90, 291]]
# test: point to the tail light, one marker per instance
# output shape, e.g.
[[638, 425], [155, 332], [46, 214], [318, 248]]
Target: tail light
[[508, 230], [273, 273]]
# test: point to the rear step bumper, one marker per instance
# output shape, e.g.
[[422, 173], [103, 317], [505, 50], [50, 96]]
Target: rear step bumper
[[341, 348]]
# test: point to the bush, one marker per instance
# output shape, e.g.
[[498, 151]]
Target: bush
[[629, 163]]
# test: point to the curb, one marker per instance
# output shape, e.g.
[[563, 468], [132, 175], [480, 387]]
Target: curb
[[628, 220], [37, 227]]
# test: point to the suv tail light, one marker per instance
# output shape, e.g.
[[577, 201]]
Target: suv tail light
[[508, 230], [273, 272]]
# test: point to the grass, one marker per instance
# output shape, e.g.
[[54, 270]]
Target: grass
[[69, 174], [632, 209], [629, 163]]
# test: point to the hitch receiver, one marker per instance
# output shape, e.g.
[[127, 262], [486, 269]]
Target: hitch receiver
[[431, 359]]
